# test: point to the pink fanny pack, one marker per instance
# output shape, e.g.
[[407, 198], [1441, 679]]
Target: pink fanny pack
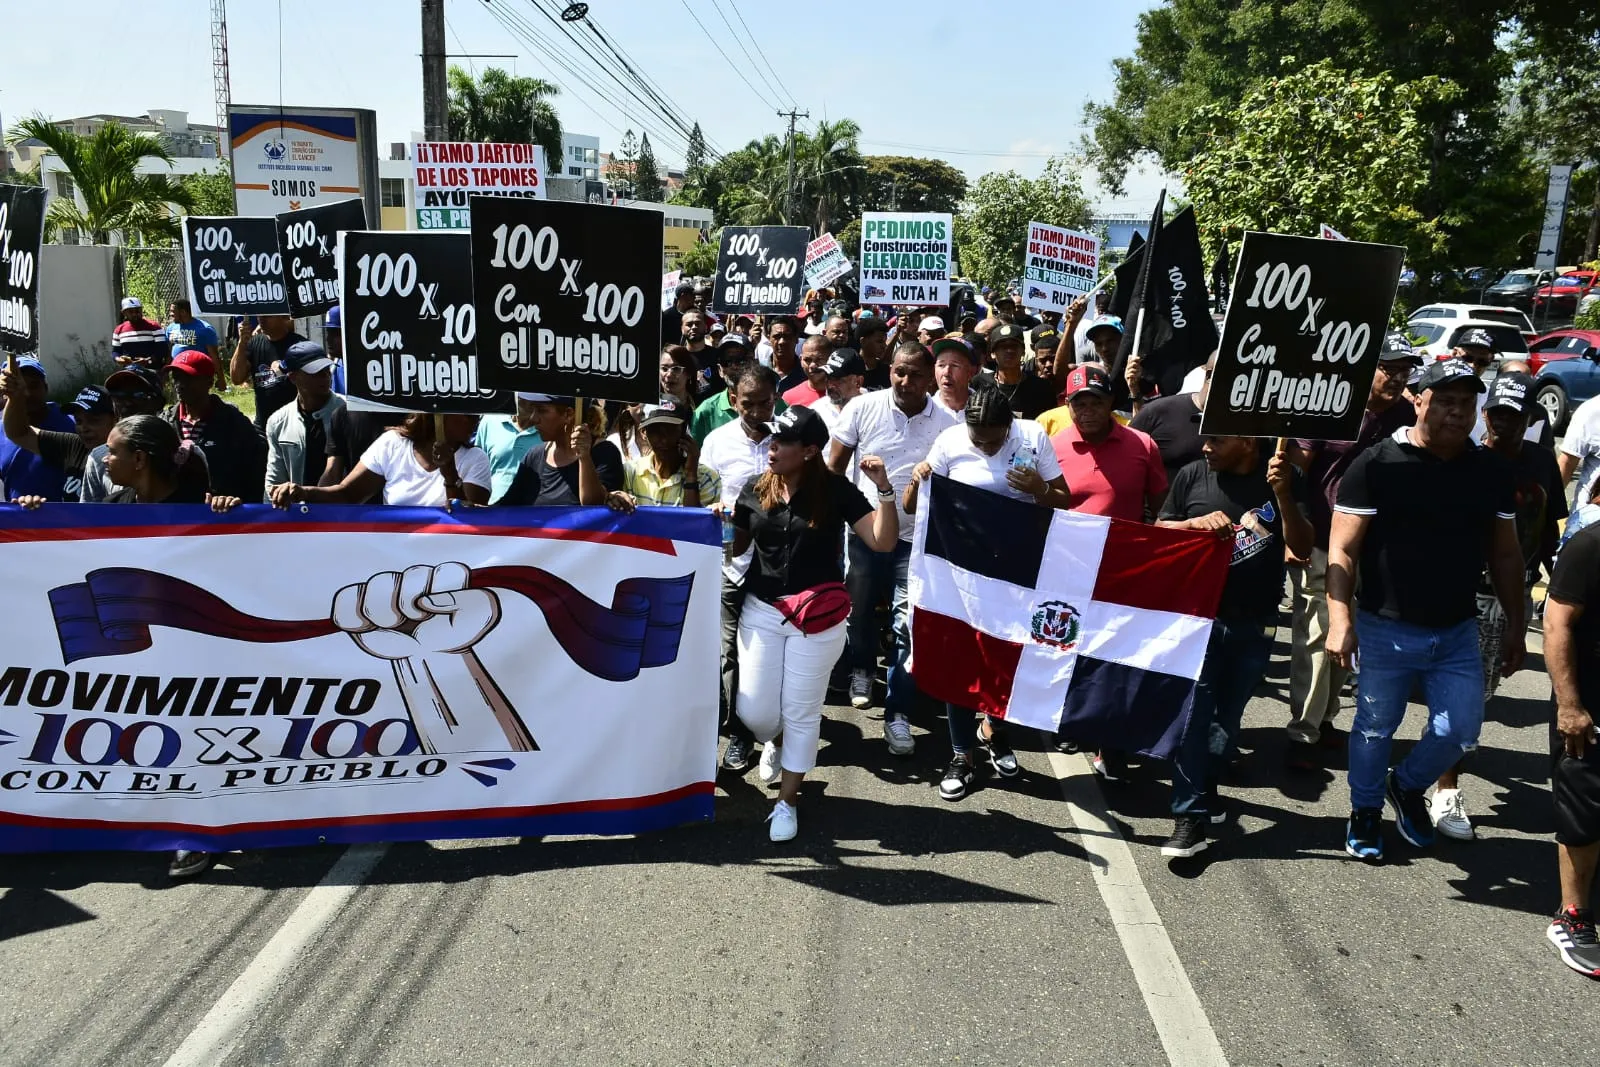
[[814, 610]]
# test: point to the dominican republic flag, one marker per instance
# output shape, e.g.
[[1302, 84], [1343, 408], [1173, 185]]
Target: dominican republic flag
[[1057, 619]]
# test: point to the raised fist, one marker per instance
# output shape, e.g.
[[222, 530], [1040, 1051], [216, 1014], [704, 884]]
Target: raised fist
[[425, 609]]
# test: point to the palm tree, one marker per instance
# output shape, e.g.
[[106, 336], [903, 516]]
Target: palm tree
[[117, 198], [502, 108], [830, 169]]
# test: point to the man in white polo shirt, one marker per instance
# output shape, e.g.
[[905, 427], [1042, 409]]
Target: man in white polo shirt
[[899, 424]]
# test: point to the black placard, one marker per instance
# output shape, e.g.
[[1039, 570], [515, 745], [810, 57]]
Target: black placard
[[308, 239], [234, 266], [1300, 344], [760, 270], [408, 323], [567, 297], [21, 233]]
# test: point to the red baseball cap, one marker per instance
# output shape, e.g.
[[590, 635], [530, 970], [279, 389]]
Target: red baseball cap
[[193, 361], [1087, 379]]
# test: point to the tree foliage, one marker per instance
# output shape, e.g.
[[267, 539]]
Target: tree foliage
[[906, 183], [701, 260], [1319, 145], [992, 229], [1552, 109], [211, 190], [117, 198], [504, 108], [749, 186], [646, 175]]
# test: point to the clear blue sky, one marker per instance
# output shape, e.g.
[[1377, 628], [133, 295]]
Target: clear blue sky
[[973, 84]]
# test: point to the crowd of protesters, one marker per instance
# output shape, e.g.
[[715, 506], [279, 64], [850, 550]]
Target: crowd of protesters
[[1409, 555]]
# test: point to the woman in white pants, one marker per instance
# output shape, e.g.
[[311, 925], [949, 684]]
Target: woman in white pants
[[792, 628]]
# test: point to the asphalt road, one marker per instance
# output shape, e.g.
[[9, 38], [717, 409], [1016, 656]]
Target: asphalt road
[[896, 929]]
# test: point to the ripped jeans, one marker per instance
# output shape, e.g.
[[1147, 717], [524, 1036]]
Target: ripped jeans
[[1394, 657]]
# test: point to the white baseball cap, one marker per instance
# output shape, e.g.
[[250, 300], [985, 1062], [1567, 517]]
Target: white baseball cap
[[131, 302], [932, 322]]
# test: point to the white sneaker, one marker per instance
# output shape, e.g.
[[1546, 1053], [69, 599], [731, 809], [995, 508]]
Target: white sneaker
[[1449, 814], [785, 823], [860, 687], [898, 733], [771, 763]]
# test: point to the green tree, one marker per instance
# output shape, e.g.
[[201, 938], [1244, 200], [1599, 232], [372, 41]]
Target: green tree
[[16, 176], [117, 197], [1320, 145], [701, 260], [646, 175], [624, 164], [694, 159], [906, 183], [1553, 109], [849, 239], [502, 108], [211, 190], [992, 229], [829, 172]]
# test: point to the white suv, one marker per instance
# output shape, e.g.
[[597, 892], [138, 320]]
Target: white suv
[[1479, 312], [1436, 337]]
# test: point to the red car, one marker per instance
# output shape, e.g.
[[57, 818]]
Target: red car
[[1561, 344], [1561, 296]]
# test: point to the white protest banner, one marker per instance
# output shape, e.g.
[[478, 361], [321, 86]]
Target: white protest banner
[[445, 173], [426, 674], [905, 258], [825, 262], [669, 287], [1060, 266], [1331, 234]]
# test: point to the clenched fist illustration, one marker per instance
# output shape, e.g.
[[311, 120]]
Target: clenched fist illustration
[[425, 621]]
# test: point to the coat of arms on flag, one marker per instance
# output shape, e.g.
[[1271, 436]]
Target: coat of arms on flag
[[1058, 619]]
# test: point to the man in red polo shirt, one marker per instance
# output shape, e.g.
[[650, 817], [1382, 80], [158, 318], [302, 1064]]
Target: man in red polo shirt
[[1111, 469]]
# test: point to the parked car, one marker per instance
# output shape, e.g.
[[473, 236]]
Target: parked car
[[1517, 288], [1561, 296], [1481, 312], [1435, 338], [1562, 384], [1560, 344]]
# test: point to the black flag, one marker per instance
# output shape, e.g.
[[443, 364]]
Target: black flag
[[1127, 274], [1169, 319]]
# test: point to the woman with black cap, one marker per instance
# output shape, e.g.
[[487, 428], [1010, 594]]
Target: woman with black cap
[[792, 628]]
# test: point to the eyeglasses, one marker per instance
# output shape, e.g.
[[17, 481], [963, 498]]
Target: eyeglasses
[[674, 369]]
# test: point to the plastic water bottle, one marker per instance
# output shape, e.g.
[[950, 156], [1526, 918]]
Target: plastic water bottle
[[727, 530], [1025, 459]]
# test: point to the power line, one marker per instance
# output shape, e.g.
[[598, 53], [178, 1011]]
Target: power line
[[735, 5], [945, 150], [725, 57], [754, 63]]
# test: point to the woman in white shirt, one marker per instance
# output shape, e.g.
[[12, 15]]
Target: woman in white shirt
[[411, 467], [1010, 457]]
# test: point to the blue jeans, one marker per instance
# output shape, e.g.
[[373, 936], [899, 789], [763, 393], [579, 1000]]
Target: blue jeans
[[870, 577], [1394, 657], [1236, 661]]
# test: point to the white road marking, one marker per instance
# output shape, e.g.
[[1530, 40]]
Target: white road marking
[[1180, 1021], [216, 1035]]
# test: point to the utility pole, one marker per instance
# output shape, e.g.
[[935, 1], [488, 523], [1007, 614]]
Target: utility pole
[[435, 103], [792, 115]]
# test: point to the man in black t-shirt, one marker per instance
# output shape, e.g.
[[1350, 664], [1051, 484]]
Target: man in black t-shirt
[[1170, 422], [258, 359], [672, 318], [1259, 502], [1028, 394], [63, 450], [1419, 517], [1572, 656]]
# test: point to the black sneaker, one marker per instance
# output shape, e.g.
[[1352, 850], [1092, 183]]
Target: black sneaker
[[957, 779], [188, 864], [1066, 745], [1302, 756], [1363, 834], [1001, 758], [1572, 933], [1188, 837], [1216, 814], [736, 757], [1410, 812]]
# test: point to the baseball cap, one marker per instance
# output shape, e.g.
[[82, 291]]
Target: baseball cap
[[734, 340], [1043, 336], [1396, 347], [801, 425], [1009, 331], [1477, 337], [952, 344], [306, 357], [1448, 372], [331, 319], [684, 289], [131, 381], [193, 361], [1003, 298], [535, 398], [31, 363], [1514, 391], [129, 303], [1103, 321], [1087, 379], [932, 322], [845, 362], [91, 400], [664, 412]]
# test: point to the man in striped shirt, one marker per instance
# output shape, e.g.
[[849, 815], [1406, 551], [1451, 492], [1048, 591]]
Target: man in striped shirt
[[138, 340]]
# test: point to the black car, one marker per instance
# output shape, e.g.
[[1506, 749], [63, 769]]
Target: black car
[[1516, 289]]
